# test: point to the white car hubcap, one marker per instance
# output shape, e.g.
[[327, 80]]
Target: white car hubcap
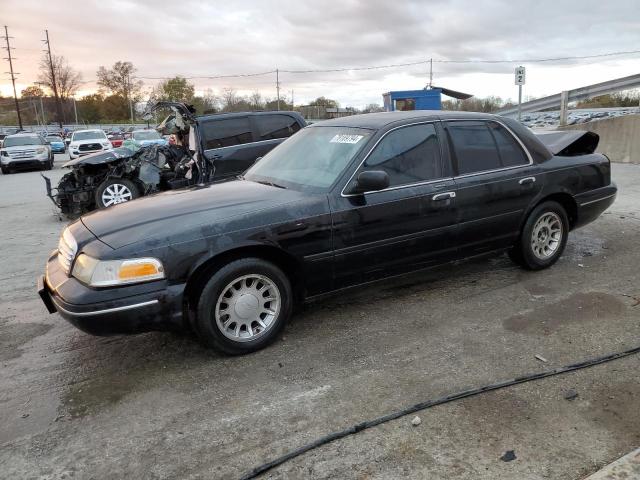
[[116, 193], [247, 308]]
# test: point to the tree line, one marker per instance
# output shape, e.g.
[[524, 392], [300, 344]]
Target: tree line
[[119, 92]]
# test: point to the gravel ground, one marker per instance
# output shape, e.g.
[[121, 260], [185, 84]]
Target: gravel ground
[[159, 405]]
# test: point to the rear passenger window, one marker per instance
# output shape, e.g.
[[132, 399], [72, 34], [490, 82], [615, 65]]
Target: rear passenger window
[[276, 126], [511, 152], [227, 132], [408, 155], [474, 147]]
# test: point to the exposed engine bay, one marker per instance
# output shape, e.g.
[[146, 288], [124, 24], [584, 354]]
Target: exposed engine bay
[[119, 175]]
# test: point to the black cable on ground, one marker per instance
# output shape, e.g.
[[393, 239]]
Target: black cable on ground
[[432, 403]]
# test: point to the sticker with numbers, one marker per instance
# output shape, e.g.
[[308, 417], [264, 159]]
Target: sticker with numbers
[[344, 138]]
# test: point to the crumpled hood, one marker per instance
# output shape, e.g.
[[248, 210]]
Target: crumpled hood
[[157, 218]]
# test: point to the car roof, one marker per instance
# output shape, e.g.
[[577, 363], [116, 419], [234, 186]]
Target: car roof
[[144, 130], [217, 116], [382, 119], [23, 134], [88, 130]]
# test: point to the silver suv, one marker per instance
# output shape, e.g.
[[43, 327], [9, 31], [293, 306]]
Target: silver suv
[[25, 150]]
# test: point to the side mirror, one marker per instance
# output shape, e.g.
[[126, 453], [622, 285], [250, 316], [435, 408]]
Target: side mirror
[[371, 181]]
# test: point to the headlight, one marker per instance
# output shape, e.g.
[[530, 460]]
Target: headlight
[[73, 145], [41, 150], [4, 153], [106, 144], [97, 273]]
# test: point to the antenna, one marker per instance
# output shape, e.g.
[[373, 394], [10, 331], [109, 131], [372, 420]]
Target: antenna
[[13, 75]]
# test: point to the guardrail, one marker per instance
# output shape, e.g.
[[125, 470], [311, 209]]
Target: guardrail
[[582, 93]]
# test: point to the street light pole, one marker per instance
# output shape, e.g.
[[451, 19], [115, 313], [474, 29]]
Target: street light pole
[[53, 81]]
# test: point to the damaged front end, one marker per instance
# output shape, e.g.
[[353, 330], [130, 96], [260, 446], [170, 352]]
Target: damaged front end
[[119, 175]]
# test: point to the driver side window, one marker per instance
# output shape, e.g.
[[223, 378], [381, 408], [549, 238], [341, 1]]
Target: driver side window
[[408, 155]]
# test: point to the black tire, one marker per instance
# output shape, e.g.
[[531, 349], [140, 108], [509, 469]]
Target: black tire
[[5, 170], [109, 182], [524, 253], [207, 327], [48, 165]]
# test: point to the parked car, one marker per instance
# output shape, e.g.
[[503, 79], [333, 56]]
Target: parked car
[[116, 139], [342, 203], [56, 143], [143, 138], [25, 150], [230, 144], [84, 142]]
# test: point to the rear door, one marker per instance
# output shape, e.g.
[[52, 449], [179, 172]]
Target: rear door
[[271, 129], [495, 183], [229, 143]]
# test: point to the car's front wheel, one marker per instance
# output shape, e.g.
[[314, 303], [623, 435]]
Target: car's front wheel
[[115, 190], [244, 306], [543, 238]]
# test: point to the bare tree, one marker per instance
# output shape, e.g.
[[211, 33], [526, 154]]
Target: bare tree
[[119, 80], [256, 101], [229, 99], [68, 79]]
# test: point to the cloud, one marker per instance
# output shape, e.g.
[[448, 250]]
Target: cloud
[[194, 38]]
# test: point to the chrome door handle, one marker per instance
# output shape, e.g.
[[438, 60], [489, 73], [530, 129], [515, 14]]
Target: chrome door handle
[[443, 196], [527, 180]]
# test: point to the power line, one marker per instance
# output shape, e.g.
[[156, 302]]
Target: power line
[[407, 64]]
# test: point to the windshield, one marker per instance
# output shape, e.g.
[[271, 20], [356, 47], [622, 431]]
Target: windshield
[[312, 159], [91, 135], [146, 135], [22, 140], [53, 138]]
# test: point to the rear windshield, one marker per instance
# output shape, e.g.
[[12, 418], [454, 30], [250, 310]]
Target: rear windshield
[[22, 140], [91, 135], [146, 135], [54, 138]]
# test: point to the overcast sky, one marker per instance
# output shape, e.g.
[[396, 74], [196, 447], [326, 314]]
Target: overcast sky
[[203, 38]]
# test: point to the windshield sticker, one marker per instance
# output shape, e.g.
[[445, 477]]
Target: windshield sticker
[[343, 138]]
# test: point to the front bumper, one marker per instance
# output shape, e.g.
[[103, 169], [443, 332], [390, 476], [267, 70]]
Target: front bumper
[[111, 311], [29, 162]]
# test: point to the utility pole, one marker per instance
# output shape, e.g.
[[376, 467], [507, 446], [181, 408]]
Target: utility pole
[[430, 72], [42, 111], [129, 95], [13, 77], [75, 109], [278, 87], [53, 80]]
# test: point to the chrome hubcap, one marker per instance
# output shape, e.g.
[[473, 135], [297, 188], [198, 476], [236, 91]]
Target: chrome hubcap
[[546, 235], [247, 307], [116, 193]]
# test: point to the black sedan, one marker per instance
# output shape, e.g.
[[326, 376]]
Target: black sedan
[[342, 203]]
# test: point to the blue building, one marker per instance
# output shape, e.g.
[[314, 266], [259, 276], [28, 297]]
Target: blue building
[[429, 98], [413, 100]]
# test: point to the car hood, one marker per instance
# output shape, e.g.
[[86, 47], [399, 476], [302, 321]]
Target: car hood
[[161, 218], [100, 157]]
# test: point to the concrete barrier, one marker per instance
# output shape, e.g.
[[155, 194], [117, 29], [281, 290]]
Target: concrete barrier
[[619, 137]]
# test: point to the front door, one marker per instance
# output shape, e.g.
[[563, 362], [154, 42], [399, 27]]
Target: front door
[[408, 225]]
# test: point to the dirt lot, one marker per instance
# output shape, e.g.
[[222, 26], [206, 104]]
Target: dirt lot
[[161, 406]]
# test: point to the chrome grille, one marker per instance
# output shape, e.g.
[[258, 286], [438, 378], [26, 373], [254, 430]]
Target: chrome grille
[[67, 249]]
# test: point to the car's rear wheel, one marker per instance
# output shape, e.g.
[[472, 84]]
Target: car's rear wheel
[[543, 238], [5, 170], [115, 190], [244, 306]]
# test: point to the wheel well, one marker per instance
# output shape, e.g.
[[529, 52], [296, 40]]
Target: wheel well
[[568, 203], [289, 265]]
